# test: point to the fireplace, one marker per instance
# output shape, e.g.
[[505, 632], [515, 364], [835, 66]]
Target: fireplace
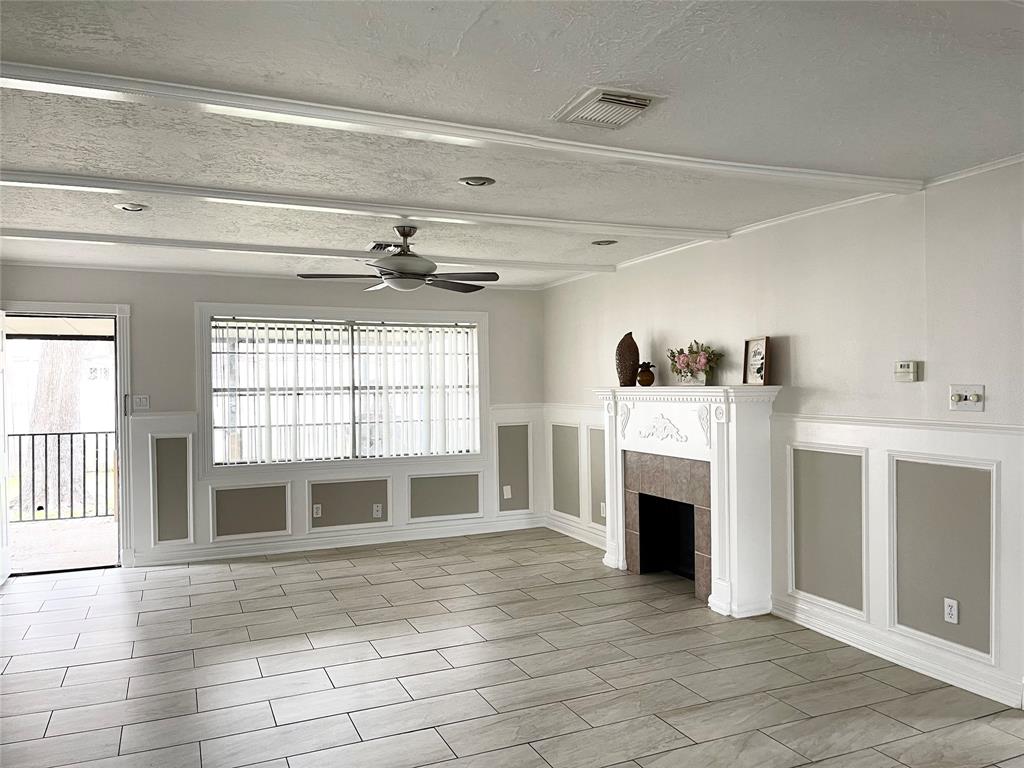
[[668, 517], [670, 450], [666, 536]]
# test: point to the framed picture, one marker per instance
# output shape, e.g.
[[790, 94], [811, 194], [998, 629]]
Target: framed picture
[[756, 361]]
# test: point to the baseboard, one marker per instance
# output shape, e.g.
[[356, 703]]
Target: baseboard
[[173, 555], [752, 609], [577, 531], [976, 677]]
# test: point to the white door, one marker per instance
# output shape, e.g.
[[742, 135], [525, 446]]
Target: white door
[[5, 558]]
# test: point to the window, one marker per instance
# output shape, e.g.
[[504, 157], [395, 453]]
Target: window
[[289, 391]]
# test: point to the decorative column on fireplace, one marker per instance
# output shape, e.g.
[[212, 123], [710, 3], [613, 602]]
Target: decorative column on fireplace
[[691, 467]]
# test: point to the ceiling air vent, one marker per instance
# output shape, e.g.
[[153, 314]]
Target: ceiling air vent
[[602, 108]]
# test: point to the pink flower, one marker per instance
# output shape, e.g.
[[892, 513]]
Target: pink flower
[[683, 360], [702, 361]]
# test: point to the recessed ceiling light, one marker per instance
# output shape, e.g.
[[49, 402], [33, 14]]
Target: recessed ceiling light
[[132, 207], [604, 242], [476, 181]]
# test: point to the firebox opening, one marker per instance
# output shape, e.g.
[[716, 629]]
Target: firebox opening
[[666, 541]]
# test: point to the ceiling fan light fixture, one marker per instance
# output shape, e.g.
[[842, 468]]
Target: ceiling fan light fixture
[[403, 283], [476, 181]]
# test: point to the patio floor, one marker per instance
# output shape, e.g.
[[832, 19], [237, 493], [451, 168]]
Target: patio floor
[[52, 545]]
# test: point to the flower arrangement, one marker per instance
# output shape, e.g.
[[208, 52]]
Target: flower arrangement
[[694, 362]]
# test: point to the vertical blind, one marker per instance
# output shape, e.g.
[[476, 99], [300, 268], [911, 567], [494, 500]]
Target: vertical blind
[[287, 391]]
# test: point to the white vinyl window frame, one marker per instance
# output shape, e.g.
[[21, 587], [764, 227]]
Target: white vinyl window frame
[[206, 311]]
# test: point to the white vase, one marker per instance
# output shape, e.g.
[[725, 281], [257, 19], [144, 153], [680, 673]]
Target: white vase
[[696, 380]]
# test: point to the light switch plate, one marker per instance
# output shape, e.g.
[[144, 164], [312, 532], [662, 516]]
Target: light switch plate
[[140, 402], [506, 491], [960, 397]]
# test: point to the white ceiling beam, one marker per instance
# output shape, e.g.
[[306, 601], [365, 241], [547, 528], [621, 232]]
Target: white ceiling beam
[[93, 238], [111, 87], [350, 207]]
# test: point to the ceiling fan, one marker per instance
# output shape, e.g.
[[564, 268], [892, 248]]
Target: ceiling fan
[[403, 270]]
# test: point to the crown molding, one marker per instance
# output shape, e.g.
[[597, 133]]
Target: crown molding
[[281, 250], [352, 207], [974, 170], [364, 121]]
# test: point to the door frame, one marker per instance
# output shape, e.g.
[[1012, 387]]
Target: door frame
[[122, 352], [5, 560]]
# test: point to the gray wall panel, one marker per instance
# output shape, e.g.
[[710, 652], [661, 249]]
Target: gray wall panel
[[943, 521], [596, 454], [827, 526], [172, 488], [565, 469], [260, 509], [514, 466], [444, 495], [349, 502]]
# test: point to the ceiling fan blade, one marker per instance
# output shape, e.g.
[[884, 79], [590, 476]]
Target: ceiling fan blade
[[450, 286], [476, 277], [330, 276], [377, 287]]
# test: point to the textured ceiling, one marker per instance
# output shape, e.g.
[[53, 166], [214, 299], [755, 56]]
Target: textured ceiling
[[183, 218], [176, 144], [159, 259], [895, 89], [910, 89]]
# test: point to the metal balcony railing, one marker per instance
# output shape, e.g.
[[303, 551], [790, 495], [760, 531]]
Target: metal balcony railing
[[61, 476]]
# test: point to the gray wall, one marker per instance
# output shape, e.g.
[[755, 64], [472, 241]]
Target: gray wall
[[813, 284], [349, 502], [514, 466], [444, 495], [828, 526], [251, 510], [565, 469], [163, 320], [172, 491], [943, 519], [596, 454]]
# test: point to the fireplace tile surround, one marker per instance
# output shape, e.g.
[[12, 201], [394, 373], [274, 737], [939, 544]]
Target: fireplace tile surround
[[721, 438], [684, 480]]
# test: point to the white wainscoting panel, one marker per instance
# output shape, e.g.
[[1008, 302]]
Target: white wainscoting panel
[[144, 551], [583, 417], [998, 675]]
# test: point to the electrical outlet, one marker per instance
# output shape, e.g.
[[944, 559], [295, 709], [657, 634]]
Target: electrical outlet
[[318, 510], [378, 510], [603, 509], [951, 610], [506, 491]]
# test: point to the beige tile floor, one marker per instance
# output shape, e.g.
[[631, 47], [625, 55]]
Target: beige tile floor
[[516, 650]]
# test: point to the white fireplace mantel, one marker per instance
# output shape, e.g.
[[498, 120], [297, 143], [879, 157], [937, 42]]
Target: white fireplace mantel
[[730, 427]]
